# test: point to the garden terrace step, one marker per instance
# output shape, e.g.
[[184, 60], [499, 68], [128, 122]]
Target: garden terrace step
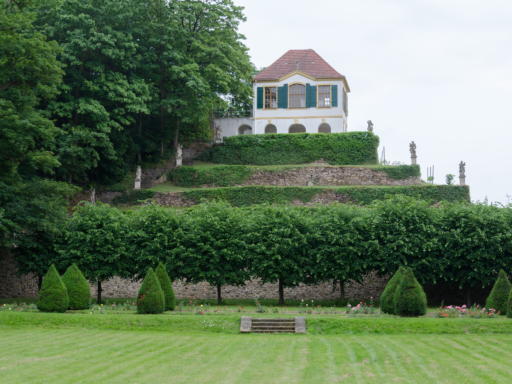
[[249, 325]]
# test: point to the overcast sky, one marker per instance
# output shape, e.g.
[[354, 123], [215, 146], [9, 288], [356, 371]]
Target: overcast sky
[[438, 72]]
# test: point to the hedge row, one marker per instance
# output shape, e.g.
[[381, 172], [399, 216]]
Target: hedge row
[[244, 196], [223, 245], [134, 197], [230, 175], [350, 148]]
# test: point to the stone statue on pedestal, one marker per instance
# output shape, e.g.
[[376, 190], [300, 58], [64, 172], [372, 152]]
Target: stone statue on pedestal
[[462, 169], [370, 126], [138, 177], [93, 196], [179, 155], [412, 148], [218, 134]]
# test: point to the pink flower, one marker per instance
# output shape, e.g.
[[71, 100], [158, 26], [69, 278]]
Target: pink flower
[[306, 305]]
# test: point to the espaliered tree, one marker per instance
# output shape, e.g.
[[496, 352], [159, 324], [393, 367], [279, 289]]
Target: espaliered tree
[[410, 299], [79, 292], [387, 299], [498, 299], [211, 247], [53, 295], [95, 240]]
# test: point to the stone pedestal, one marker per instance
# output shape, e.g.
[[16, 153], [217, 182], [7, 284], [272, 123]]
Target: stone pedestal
[[137, 184], [217, 141], [462, 181], [300, 325], [413, 160], [246, 324], [179, 161]]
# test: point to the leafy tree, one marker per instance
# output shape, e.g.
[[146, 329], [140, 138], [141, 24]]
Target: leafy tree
[[498, 299], [94, 240], [387, 299], [210, 247], [410, 299], [53, 296], [79, 292], [166, 285], [150, 299]]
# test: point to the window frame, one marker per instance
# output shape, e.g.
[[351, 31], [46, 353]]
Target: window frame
[[318, 96], [305, 95], [265, 96]]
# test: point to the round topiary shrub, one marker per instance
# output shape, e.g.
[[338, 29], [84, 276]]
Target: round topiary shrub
[[79, 292], [151, 298], [499, 295], [410, 299], [166, 285], [53, 296], [387, 299]]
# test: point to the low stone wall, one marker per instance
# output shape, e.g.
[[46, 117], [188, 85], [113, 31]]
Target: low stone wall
[[326, 176], [13, 286]]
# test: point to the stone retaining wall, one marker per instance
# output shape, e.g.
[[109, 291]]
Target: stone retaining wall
[[326, 176], [26, 286]]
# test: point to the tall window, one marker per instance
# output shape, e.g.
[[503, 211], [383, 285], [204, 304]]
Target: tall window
[[270, 98], [297, 96], [324, 96]]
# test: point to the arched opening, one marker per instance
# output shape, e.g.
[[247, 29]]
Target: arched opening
[[324, 128], [297, 128], [245, 130], [271, 128]]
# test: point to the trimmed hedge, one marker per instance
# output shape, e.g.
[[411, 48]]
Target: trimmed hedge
[[387, 299], [166, 285], [410, 299], [349, 148], [230, 175], [498, 299], [134, 197], [53, 296], [150, 299], [79, 292], [241, 196]]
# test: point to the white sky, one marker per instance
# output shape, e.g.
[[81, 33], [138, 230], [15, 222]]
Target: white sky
[[438, 72]]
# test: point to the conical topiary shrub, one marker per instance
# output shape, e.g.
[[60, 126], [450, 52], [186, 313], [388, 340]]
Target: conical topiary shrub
[[79, 292], [53, 295], [499, 295], [410, 299], [166, 285], [387, 299], [151, 297], [509, 308]]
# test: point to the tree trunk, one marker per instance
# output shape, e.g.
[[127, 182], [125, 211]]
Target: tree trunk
[[342, 290], [99, 292], [468, 297], [175, 144], [39, 282], [219, 295], [281, 292], [140, 133], [70, 178]]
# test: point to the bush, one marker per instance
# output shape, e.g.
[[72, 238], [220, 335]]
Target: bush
[[221, 176], [509, 307], [150, 298], [79, 292], [387, 299], [53, 296], [500, 293], [349, 148], [410, 299], [166, 285]]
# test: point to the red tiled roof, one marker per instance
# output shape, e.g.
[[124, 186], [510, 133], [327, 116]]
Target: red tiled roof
[[310, 63]]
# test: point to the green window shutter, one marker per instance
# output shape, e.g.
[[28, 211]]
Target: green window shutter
[[285, 98], [312, 96], [308, 95], [259, 101], [334, 95], [280, 97]]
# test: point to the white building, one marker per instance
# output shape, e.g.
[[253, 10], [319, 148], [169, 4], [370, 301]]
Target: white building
[[300, 92]]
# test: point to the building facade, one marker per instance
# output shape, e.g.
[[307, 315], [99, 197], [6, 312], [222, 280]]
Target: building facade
[[300, 92]]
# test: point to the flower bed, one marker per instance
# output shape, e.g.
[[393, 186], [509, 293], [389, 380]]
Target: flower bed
[[474, 312]]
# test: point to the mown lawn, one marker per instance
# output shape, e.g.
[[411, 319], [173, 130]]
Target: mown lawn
[[91, 356]]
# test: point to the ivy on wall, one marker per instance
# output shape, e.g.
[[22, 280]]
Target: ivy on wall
[[349, 148], [242, 196], [230, 175]]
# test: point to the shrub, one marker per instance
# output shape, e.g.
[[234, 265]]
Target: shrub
[[500, 293], [349, 148], [220, 176], [79, 292], [166, 285], [134, 197], [150, 298], [387, 299], [53, 296], [509, 307], [410, 299]]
